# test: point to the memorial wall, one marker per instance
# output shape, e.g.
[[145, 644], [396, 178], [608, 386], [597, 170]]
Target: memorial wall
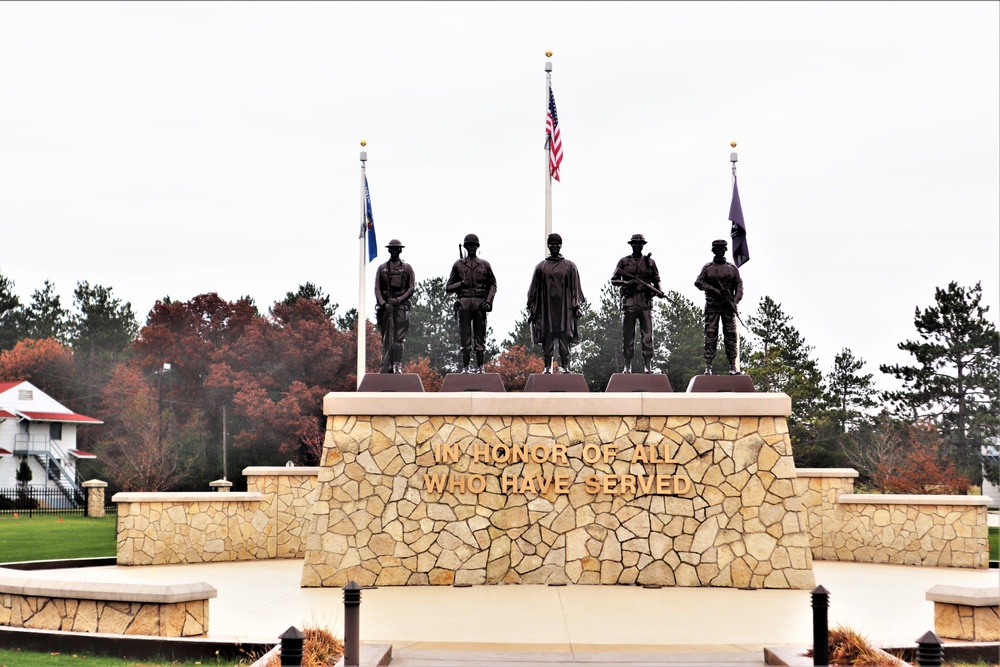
[[482, 488]]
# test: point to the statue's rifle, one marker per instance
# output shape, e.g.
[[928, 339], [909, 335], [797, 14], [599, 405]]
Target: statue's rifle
[[727, 297], [642, 283]]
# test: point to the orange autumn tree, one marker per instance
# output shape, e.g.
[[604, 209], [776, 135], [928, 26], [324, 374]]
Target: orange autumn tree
[[902, 457], [46, 363], [514, 366], [430, 378]]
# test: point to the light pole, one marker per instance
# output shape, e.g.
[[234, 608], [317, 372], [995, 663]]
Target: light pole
[[166, 367]]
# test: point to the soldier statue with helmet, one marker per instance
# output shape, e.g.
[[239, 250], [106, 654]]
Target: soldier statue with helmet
[[723, 288], [638, 280], [394, 285], [474, 285]]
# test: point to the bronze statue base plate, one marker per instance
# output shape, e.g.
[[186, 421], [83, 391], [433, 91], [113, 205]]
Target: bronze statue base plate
[[621, 382], [391, 382], [472, 382], [720, 383], [569, 382]]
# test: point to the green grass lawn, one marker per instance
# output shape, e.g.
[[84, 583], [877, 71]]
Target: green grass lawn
[[994, 542], [49, 536], [14, 658]]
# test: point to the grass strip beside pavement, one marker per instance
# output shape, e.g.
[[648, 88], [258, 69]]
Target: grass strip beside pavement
[[50, 536], [17, 658], [994, 538]]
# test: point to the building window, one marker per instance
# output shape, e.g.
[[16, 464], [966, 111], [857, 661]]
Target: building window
[[55, 431]]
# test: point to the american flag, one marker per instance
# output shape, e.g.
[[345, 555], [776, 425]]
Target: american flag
[[552, 139]]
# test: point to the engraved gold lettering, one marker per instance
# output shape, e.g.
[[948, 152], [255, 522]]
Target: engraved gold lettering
[[435, 483]]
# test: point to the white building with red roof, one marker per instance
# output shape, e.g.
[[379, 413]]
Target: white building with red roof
[[36, 428]]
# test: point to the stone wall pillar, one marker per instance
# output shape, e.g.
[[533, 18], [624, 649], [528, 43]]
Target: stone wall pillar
[[221, 485], [95, 497]]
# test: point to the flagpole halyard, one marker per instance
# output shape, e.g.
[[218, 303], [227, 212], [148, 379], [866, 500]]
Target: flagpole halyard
[[548, 157], [734, 158], [361, 269]]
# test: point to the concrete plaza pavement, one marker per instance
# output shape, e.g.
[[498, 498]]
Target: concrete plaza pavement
[[258, 600]]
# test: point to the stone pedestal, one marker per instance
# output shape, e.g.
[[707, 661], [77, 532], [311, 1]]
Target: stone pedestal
[[668, 489], [631, 382], [472, 382], [95, 497], [721, 383], [391, 382], [557, 382]]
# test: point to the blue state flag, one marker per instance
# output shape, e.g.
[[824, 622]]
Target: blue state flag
[[741, 251], [370, 224]]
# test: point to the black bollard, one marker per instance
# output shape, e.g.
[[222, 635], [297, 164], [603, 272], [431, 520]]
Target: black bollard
[[821, 632], [352, 624], [291, 647], [930, 650]]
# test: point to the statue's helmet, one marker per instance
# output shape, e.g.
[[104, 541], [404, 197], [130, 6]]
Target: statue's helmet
[[720, 244], [471, 239], [554, 238], [395, 244], [637, 238]]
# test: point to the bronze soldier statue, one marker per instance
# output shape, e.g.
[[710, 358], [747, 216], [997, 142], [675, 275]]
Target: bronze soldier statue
[[638, 280], [394, 284], [723, 288], [473, 282], [555, 299]]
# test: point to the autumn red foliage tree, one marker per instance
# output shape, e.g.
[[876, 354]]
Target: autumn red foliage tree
[[45, 363], [431, 379], [514, 366], [902, 457], [137, 452], [276, 374]]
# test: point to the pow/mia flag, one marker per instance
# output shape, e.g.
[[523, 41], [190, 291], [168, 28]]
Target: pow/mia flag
[[741, 251]]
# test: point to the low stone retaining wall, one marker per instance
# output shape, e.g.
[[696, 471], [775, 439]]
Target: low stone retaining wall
[[931, 530], [178, 610], [965, 612], [265, 522]]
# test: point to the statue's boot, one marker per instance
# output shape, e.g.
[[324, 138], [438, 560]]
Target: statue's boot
[[480, 358], [732, 367], [708, 368], [564, 365], [647, 365], [628, 366], [548, 365], [465, 362], [397, 367]]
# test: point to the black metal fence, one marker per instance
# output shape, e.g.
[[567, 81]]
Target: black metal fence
[[29, 500]]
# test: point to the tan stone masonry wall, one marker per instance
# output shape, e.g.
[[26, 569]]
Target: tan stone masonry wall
[[163, 611], [946, 531], [265, 522], [741, 524], [180, 619]]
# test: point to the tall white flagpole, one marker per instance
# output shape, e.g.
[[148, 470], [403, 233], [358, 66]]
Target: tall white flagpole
[[548, 169], [362, 263], [733, 159]]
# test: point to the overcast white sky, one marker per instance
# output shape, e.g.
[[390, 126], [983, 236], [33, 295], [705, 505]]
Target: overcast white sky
[[182, 148]]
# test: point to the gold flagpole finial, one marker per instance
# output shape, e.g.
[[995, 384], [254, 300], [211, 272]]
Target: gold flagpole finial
[[365, 143], [548, 54], [733, 144]]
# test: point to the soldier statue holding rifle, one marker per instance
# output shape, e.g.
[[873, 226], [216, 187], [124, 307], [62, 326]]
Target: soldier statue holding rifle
[[394, 285], [638, 280], [473, 282], [723, 288]]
